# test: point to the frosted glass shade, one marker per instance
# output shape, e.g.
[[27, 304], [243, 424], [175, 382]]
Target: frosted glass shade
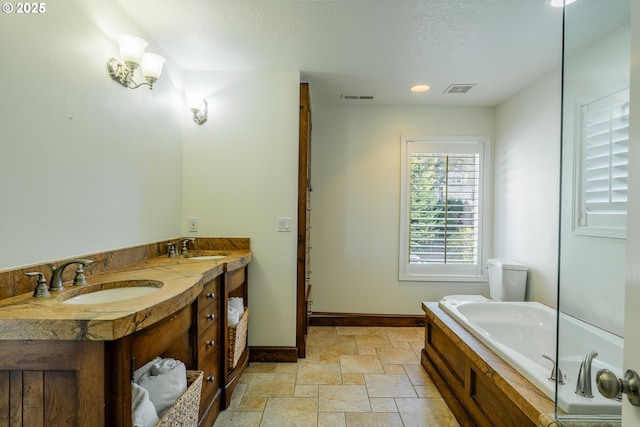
[[152, 66], [194, 101], [131, 49]]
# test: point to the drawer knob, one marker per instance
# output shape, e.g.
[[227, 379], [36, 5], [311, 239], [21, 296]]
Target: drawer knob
[[211, 316], [210, 378], [211, 295], [211, 343]]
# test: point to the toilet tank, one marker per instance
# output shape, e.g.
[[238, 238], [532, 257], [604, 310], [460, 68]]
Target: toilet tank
[[507, 279]]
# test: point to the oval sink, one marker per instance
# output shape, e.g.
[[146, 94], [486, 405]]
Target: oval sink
[[204, 255], [114, 291]]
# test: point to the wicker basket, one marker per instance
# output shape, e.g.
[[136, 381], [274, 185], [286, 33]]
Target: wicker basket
[[184, 413], [237, 338]]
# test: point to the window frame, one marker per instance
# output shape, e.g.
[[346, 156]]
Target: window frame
[[601, 224], [445, 272]]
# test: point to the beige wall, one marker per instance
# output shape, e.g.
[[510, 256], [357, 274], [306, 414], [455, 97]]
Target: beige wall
[[87, 165], [240, 174], [355, 174]]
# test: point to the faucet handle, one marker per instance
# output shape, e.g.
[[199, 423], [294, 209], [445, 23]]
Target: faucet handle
[[172, 250], [79, 278], [555, 372], [41, 289]]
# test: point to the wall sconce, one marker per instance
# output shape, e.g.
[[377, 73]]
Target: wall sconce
[[133, 55], [198, 106]]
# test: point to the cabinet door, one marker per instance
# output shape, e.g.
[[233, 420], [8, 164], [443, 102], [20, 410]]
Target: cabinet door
[[52, 383]]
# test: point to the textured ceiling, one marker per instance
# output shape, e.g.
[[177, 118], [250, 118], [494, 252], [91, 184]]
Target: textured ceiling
[[372, 47]]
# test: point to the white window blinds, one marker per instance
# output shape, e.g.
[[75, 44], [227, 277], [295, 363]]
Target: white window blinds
[[444, 208], [603, 142], [444, 196]]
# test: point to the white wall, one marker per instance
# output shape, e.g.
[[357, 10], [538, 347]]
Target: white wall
[[240, 174], [355, 175], [87, 165], [592, 269], [526, 184]]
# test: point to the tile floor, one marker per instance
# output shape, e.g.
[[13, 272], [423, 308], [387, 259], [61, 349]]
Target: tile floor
[[351, 377]]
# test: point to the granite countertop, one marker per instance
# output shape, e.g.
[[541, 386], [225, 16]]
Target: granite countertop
[[24, 317]]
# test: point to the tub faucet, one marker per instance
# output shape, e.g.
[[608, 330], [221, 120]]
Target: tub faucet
[[56, 277], [185, 242], [583, 385]]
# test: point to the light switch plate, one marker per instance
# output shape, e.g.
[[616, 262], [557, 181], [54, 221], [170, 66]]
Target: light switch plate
[[284, 223], [193, 223]]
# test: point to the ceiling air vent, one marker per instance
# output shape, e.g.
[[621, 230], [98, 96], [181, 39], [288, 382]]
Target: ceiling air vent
[[459, 88], [357, 97]]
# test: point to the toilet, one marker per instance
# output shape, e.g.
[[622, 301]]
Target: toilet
[[507, 279], [507, 282]]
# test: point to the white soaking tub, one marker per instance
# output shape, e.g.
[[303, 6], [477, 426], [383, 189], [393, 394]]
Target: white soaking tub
[[522, 332]]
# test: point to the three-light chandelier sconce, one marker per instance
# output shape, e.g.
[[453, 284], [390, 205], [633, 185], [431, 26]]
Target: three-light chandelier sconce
[[133, 55]]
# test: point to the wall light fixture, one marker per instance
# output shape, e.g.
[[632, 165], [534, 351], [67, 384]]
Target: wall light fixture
[[198, 106], [133, 55]]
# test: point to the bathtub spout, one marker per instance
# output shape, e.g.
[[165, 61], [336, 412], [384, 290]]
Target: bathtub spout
[[583, 385]]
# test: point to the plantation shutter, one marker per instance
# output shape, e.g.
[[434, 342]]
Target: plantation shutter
[[444, 208], [604, 134]]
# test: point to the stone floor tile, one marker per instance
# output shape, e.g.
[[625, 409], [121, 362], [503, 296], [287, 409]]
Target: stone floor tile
[[271, 385], [306, 390], [398, 356], [343, 398], [383, 404], [319, 373], [360, 364], [252, 404], [374, 419], [425, 412], [290, 412], [384, 385], [238, 419], [331, 419]]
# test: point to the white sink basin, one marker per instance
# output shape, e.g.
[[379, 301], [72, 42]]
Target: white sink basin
[[111, 295], [207, 257], [204, 255]]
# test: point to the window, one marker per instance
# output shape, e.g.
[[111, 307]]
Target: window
[[602, 146], [443, 200]]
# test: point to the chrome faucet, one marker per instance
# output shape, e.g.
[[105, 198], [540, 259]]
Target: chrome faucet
[[583, 385], [171, 253], [185, 241], [56, 277]]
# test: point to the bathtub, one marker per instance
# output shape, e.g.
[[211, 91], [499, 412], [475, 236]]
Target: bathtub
[[521, 332]]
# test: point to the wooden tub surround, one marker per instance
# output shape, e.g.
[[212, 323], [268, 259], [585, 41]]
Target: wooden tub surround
[[480, 388], [64, 364]]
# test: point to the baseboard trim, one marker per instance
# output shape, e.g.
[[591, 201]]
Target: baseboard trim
[[273, 354], [355, 319]]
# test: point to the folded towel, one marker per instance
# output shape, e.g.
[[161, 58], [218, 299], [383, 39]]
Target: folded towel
[[143, 413], [165, 382]]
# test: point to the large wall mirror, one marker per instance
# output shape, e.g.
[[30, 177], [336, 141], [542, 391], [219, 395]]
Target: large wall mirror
[[594, 188]]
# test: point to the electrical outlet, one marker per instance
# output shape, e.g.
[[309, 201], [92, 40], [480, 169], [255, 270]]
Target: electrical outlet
[[193, 224]]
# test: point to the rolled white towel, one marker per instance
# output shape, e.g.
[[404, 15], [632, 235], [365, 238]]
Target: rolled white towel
[[233, 316], [144, 370], [237, 303], [166, 382], [143, 413]]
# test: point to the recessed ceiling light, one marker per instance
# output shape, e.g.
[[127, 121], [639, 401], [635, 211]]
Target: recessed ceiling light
[[559, 3], [420, 88]]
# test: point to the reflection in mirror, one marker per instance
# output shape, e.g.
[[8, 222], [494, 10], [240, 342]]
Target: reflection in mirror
[[595, 112]]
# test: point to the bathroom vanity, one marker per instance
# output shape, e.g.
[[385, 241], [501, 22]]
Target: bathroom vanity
[[64, 364]]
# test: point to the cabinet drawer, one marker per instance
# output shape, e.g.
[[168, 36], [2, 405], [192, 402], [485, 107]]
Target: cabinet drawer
[[208, 362], [209, 295], [208, 317]]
